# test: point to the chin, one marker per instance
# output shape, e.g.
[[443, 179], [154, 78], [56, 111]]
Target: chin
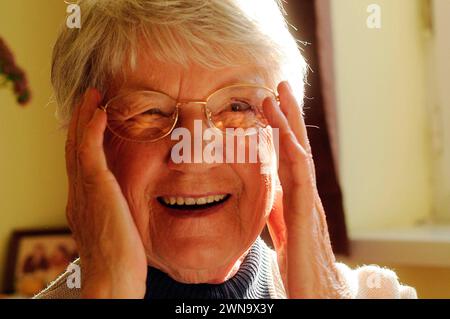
[[198, 259], [200, 245]]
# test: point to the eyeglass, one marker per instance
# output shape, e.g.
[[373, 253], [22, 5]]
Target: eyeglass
[[148, 116]]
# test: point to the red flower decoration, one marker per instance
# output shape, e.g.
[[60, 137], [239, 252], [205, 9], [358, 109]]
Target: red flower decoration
[[11, 72]]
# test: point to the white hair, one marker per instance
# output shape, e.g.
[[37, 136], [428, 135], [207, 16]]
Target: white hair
[[211, 33]]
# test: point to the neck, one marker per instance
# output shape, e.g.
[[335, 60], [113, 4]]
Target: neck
[[250, 280]]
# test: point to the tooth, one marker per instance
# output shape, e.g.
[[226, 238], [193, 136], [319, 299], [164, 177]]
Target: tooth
[[180, 201], [201, 201], [210, 199], [218, 198], [173, 200], [189, 201], [166, 200]]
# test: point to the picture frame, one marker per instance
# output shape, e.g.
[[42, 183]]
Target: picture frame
[[35, 258]]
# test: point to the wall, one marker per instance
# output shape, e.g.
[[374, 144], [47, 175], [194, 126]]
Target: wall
[[384, 138], [384, 146], [32, 173]]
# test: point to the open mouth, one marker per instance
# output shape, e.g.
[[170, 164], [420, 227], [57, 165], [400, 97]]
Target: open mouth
[[191, 203]]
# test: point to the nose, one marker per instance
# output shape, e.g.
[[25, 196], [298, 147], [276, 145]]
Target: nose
[[195, 147]]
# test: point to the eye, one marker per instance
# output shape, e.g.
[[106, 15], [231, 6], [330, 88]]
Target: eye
[[153, 111], [152, 114], [240, 106]]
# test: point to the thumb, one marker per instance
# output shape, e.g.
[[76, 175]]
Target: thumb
[[92, 156], [276, 223]]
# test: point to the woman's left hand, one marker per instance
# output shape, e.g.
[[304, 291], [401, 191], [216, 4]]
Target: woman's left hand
[[299, 231]]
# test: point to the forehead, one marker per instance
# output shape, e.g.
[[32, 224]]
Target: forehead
[[187, 82]]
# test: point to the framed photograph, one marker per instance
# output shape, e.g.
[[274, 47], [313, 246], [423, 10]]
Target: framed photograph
[[37, 257]]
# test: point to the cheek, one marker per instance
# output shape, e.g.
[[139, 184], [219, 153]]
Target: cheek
[[136, 168], [258, 178], [257, 196]]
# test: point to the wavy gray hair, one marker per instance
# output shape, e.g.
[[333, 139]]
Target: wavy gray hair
[[212, 33]]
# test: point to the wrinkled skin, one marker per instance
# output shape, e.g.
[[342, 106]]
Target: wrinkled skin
[[120, 228]]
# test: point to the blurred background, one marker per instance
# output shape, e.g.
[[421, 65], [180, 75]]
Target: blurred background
[[380, 79]]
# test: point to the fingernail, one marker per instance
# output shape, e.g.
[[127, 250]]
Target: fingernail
[[94, 94], [97, 113], [289, 87], [86, 96]]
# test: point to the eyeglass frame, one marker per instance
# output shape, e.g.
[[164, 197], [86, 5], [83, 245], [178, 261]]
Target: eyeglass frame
[[184, 102]]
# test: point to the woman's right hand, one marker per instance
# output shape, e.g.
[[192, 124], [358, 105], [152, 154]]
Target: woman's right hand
[[112, 255]]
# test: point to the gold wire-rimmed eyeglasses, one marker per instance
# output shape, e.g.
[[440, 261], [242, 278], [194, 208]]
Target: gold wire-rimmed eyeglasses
[[149, 116]]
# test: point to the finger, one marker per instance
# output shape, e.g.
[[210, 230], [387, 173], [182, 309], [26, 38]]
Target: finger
[[296, 165], [288, 141], [91, 154], [275, 222], [90, 103], [293, 112]]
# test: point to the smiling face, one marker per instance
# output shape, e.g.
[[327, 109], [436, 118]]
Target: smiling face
[[196, 220]]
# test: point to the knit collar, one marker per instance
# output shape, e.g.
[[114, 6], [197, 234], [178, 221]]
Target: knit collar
[[252, 281]]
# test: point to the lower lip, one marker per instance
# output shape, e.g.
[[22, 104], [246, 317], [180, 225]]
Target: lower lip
[[187, 213]]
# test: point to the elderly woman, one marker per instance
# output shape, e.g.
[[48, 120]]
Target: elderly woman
[[149, 225]]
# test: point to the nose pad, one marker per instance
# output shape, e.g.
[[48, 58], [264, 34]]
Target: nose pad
[[208, 115], [191, 117], [190, 144]]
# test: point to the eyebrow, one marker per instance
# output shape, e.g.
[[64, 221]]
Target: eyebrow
[[150, 84]]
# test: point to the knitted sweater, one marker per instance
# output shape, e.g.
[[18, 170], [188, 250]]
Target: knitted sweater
[[257, 278]]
